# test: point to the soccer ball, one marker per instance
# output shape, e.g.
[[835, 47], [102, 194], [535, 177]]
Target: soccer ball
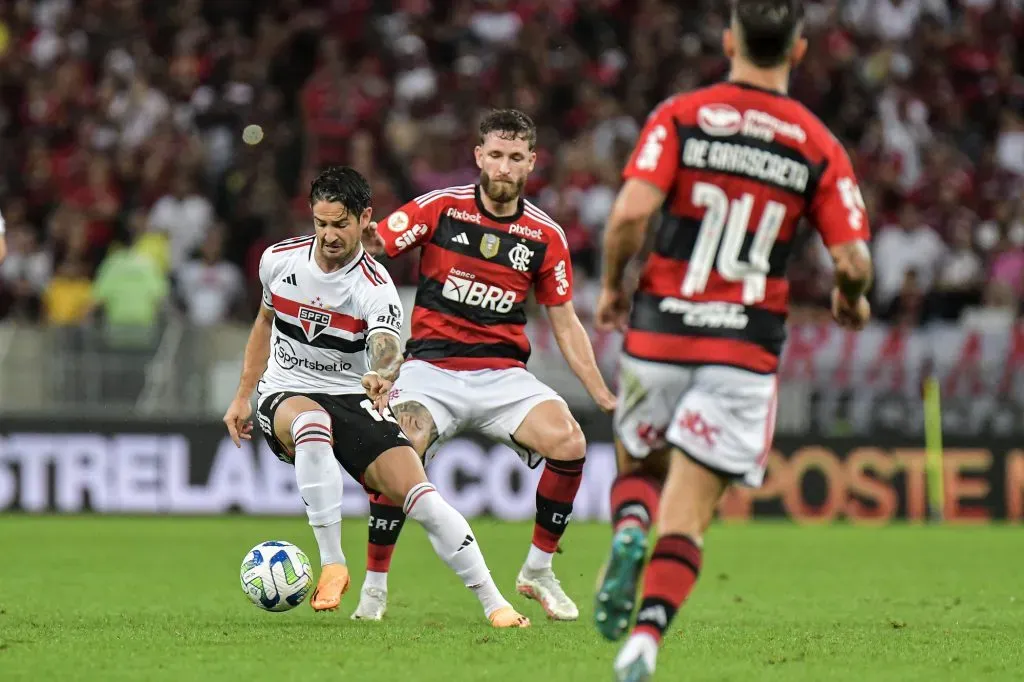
[[276, 576]]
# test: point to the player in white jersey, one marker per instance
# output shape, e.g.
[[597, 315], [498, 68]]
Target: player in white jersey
[[330, 321]]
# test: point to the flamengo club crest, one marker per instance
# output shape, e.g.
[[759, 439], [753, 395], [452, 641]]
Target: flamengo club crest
[[313, 321], [520, 257], [489, 245]]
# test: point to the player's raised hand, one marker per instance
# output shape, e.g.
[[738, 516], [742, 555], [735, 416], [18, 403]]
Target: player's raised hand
[[237, 421], [378, 389], [371, 240], [612, 310], [850, 315]]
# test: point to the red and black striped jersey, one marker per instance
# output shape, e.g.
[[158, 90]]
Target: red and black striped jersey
[[476, 270], [740, 167]]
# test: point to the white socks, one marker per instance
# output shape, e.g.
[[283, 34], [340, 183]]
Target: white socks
[[377, 580], [319, 478], [454, 542], [537, 560]]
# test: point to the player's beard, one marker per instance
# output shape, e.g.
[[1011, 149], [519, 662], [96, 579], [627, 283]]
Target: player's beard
[[501, 192]]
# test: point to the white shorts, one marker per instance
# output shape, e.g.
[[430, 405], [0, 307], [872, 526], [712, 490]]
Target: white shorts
[[721, 417], [491, 402]]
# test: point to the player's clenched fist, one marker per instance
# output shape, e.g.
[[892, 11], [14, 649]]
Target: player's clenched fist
[[378, 389], [850, 315], [612, 310], [237, 421]]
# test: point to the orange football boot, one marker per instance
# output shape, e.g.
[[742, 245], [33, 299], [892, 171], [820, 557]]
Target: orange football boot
[[333, 583], [508, 617]]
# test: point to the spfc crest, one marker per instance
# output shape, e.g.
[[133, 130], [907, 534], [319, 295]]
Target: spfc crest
[[313, 321], [489, 245]]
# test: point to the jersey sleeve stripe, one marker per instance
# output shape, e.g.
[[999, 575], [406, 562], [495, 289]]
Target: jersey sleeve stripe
[[542, 218], [370, 274], [292, 245], [427, 195], [446, 190], [467, 194], [300, 238], [374, 268]]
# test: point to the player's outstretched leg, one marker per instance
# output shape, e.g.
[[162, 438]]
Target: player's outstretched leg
[[387, 517], [305, 429], [634, 505], [550, 430], [687, 507], [398, 473], [386, 521]]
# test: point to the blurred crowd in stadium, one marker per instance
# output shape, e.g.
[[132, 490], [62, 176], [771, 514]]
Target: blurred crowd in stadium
[[121, 120]]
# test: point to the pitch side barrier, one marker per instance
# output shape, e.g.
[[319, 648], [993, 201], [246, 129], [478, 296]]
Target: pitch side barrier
[[142, 467]]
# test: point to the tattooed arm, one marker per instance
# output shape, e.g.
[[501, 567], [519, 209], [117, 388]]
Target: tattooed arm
[[417, 424], [383, 357]]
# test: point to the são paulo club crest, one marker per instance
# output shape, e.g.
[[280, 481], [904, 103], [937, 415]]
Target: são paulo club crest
[[313, 321]]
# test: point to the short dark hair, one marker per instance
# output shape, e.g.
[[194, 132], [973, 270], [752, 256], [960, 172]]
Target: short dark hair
[[343, 185], [509, 124], [768, 29]]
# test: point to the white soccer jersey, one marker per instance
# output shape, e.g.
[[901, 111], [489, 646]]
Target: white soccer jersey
[[321, 320]]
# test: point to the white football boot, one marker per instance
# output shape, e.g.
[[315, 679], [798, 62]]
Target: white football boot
[[636, 659], [544, 587], [373, 604]]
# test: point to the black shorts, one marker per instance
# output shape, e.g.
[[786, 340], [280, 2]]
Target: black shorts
[[361, 434]]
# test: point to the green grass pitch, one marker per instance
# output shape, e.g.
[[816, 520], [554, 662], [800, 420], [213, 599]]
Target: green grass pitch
[[119, 599]]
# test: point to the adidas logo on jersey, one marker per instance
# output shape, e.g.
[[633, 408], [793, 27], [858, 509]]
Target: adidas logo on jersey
[[461, 239], [465, 543], [290, 279]]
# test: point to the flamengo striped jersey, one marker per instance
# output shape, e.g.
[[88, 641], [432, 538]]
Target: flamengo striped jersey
[[322, 320], [476, 270], [740, 167]]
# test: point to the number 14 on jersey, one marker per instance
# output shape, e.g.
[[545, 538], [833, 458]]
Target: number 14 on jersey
[[723, 232]]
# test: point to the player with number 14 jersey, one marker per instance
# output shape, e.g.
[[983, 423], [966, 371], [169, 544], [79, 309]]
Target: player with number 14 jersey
[[732, 169]]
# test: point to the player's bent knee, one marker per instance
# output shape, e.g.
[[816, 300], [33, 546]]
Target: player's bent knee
[[395, 472], [288, 411], [568, 445]]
